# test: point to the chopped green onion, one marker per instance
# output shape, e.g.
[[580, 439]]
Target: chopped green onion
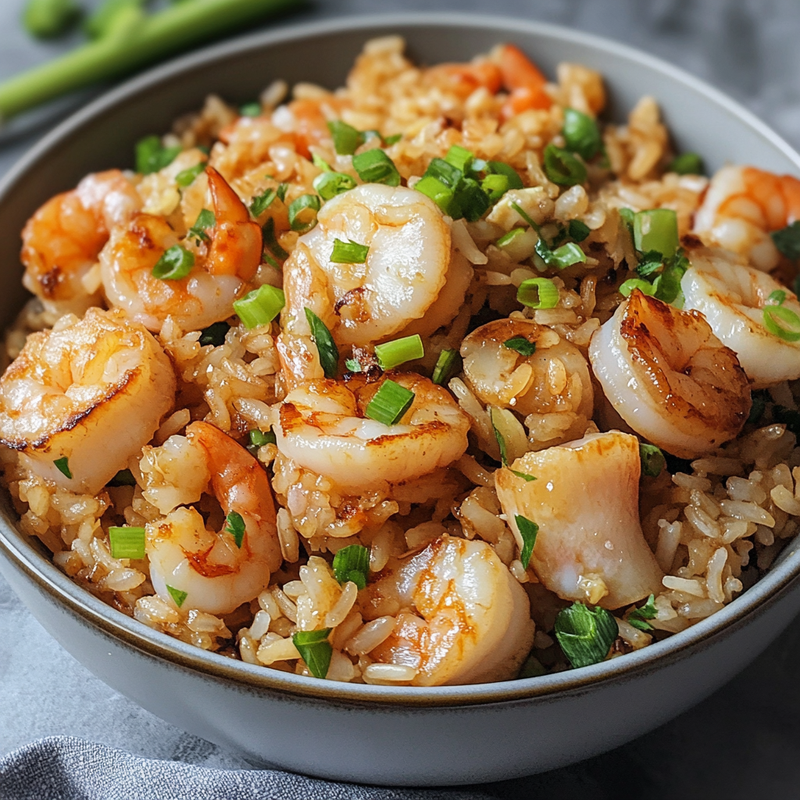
[[123, 478], [668, 283], [627, 215], [507, 238], [176, 263], [271, 241], [653, 461], [472, 200], [234, 525], [562, 257], [578, 230], [260, 306], [523, 475], [389, 403], [501, 168], [152, 156], [306, 202], [326, 347], [351, 563], [259, 439], [638, 616], [375, 166], [581, 134], [250, 109], [444, 366], [460, 157], [445, 172], [585, 634], [629, 286], [349, 252], [782, 322], [321, 163], [524, 214], [439, 192], [501, 440], [62, 465], [46, 19], [528, 531], [538, 293], [177, 595], [777, 298], [315, 650], [686, 164], [214, 334], [188, 176], [205, 220], [126, 542], [388, 141], [649, 264], [328, 184], [656, 229], [353, 365], [522, 345], [562, 168], [262, 202], [282, 189], [787, 240], [495, 186], [346, 139], [392, 354]]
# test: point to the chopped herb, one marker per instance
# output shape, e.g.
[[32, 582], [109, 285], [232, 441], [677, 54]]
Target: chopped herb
[[627, 215], [525, 216], [205, 220], [262, 202], [188, 176], [126, 542], [392, 354], [152, 156], [388, 141], [581, 134], [628, 287], [638, 616], [687, 164], [585, 634], [472, 200], [653, 461], [315, 650], [439, 192], [351, 563], [445, 172], [282, 189], [389, 403], [62, 465], [321, 163], [521, 345], [326, 347], [538, 293], [495, 186], [177, 595], [649, 265], [507, 238], [444, 366], [777, 298], [501, 168], [375, 166], [668, 283], [562, 168], [578, 230], [46, 19], [779, 321], [787, 240], [260, 306], [328, 184], [528, 531], [271, 241], [298, 207], [460, 157], [174, 264], [214, 334], [349, 252], [123, 478], [234, 525], [352, 365], [562, 257], [501, 440], [259, 439], [251, 109], [523, 475], [346, 139], [656, 229]]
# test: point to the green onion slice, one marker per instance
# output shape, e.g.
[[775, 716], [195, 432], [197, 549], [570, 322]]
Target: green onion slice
[[787, 240], [439, 192], [581, 134], [375, 166], [258, 438], [528, 531], [349, 252], [260, 306], [538, 293], [501, 440], [524, 214], [353, 365], [126, 542], [271, 241], [782, 322], [328, 184], [389, 403], [472, 200], [495, 186], [214, 334], [62, 465], [205, 219], [653, 461], [326, 347], [351, 563], [234, 525], [507, 238], [152, 156], [668, 283], [388, 141], [188, 176], [445, 172], [687, 164], [501, 168], [562, 168], [562, 257], [585, 634], [523, 475], [649, 264], [656, 230], [262, 202], [177, 595], [638, 616], [578, 230], [629, 286], [321, 163], [444, 366], [392, 354], [777, 298], [315, 650], [521, 345], [174, 264], [346, 139], [301, 206], [460, 157]]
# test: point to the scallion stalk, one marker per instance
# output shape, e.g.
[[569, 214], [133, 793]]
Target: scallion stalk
[[389, 403], [444, 366], [126, 541], [174, 264], [538, 293], [392, 354], [326, 346], [562, 168], [632, 284], [351, 563], [581, 134], [260, 306], [656, 229], [346, 139], [585, 634], [234, 525], [375, 166], [349, 252], [521, 345], [302, 206], [46, 19], [315, 650], [328, 184], [62, 465]]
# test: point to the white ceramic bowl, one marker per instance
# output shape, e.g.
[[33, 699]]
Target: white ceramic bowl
[[391, 735]]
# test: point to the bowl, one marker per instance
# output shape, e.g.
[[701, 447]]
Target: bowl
[[377, 734]]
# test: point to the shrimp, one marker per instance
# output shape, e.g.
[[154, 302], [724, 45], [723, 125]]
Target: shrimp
[[322, 426], [223, 265], [742, 206], [216, 573], [524, 81], [409, 266], [87, 395], [463, 618], [732, 298], [589, 546], [669, 377], [61, 242]]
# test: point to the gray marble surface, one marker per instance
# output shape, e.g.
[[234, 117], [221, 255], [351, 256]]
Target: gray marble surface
[[743, 741]]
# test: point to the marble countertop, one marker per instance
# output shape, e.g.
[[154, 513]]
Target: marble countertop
[[741, 742]]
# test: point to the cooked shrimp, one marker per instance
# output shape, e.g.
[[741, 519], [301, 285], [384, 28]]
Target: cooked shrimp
[[585, 500], [323, 427], [88, 395], [407, 267], [61, 242], [223, 265], [669, 377], [742, 206], [524, 81], [215, 572], [732, 298], [463, 618]]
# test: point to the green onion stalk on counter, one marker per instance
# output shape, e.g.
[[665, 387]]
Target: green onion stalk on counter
[[128, 38]]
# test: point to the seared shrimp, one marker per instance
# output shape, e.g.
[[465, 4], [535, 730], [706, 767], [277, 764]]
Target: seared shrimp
[[410, 282], [86, 395], [216, 573], [669, 377], [463, 618], [322, 427], [585, 500], [732, 298], [222, 266], [61, 242], [742, 206]]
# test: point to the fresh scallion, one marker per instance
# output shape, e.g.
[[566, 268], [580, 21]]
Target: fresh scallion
[[495, 186], [460, 157], [538, 293], [787, 240], [388, 141], [472, 200], [650, 264], [326, 347], [349, 252], [686, 164], [328, 184], [46, 19], [528, 531], [301, 206], [445, 172], [562, 257], [214, 334], [653, 461], [524, 214], [578, 230], [258, 438], [260, 203], [499, 438], [62, 465], [439, 192], [353, 365], [188, 176], [392, 354], [126, 542], [389, 403], [782, 322], [152, 156], [320, 163], [346, 139], [656, 229], [521, 345], [562, 168], [511, 175], [639, 616], [271, 241], [205, 220], [315, 650], [507, 238], [444, 366], [260, 306], [234, 525], [524, 475], [351, 563], [632, 284], [177, 595], [668, 283], [585, 634], [174, 264], [581, 134], [375, 166]]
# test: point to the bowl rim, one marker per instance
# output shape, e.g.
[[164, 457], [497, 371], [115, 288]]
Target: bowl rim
[[81, 603]]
